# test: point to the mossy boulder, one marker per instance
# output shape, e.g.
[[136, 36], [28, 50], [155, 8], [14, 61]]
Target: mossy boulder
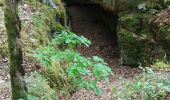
[[136, 39], [136, 42], [44, 22]]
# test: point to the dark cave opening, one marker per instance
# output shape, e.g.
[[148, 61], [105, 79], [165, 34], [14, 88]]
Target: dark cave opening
[[99, 26]]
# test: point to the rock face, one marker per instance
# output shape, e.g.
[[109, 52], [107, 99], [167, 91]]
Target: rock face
[[137, 40]]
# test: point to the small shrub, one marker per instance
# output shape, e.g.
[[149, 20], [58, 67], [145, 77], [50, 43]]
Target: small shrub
[[61, 58], [69, 40]]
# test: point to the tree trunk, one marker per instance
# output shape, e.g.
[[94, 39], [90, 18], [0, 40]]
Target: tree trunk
[[13, 27]]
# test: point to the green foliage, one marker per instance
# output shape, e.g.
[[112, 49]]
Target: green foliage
[[38, 88], [65, 40], [83, 72], [161, 64], [69, 40], [147, 86]]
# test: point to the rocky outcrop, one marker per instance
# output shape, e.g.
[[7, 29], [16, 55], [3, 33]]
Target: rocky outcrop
[[136, 39]]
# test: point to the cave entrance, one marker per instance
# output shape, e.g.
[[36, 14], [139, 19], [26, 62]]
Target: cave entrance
[[99, 26]]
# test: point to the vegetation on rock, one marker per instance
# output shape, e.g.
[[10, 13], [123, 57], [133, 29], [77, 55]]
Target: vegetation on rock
[[149, 85]]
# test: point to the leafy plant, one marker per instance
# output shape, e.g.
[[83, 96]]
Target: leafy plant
[[69, 40], [83, 72], [147, 86]]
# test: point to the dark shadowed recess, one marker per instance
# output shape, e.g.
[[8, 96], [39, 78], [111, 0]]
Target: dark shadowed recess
[[98, 25]]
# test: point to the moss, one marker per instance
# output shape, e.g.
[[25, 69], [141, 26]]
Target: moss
[[58, 14], [131, 21]]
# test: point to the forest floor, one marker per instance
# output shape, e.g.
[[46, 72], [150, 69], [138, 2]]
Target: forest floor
[[84, 23]]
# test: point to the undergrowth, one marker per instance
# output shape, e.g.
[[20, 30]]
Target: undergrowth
[[66, 69], [149, 85]]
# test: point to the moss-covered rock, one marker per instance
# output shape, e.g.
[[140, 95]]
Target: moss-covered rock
[[136, 41], [38, 21]]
